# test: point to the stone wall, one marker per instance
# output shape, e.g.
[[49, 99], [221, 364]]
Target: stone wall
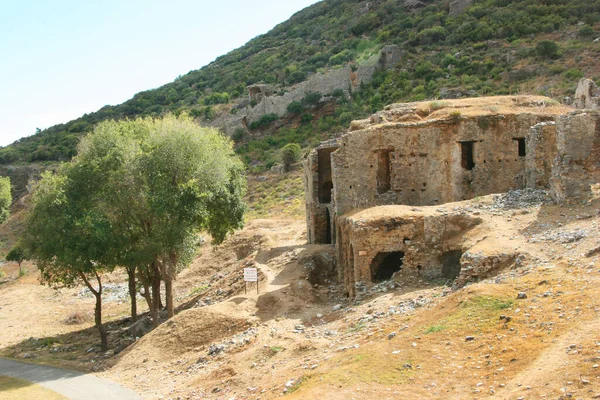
[[427, 161], [318, 186], [577, 163], [423, 237], [326, 83]]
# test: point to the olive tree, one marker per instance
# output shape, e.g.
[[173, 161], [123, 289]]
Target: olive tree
[[165, 181], [68, 239], [17, 254]]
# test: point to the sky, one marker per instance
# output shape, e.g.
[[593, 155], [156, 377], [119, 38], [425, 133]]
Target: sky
[[60, 59]]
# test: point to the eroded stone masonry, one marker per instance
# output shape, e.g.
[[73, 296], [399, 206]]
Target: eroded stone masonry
[[373, 192]]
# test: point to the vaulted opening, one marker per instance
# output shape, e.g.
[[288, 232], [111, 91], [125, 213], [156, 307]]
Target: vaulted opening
[[451, 264], [522, 148], [325, 186], [384, 170], [385, 264], [467, 152]]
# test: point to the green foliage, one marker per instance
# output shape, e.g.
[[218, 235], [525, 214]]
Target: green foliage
[[295, 107], [264, 121], [290, 154], [573, 74], [471, 51], [547, 49], [312, 99], [239, 135], [586, 31], [16, 254], [5, 198]]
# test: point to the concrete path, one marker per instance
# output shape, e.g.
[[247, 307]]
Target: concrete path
[[71, 384]]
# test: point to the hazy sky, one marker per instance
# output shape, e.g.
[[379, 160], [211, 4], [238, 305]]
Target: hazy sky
[[60, 59]]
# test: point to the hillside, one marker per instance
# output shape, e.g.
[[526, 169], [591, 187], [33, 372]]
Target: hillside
[[299, 335], [447, 49]]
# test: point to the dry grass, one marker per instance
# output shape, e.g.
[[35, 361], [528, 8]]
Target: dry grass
[[18, 389]]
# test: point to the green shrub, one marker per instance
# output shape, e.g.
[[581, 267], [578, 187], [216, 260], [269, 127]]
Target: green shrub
[[547, 49], [573, 74], [586, 31], [239, 135], [290, 154], [312, 98], [264, 121], [295, 108]]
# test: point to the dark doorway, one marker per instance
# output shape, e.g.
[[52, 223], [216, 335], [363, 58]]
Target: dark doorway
[[467, 155], [325, 179], [383, 171], [451, 264], [325, 193], [522, 147], [328, 230], [385, 264]]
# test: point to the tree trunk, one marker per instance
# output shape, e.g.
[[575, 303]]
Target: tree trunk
[[132, 293], [146, 284], [98, 310], [169, 297], [161, 306], [155, 300], [20, 270]]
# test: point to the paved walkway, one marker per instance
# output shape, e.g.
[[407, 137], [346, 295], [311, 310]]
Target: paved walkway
[[71, 384]]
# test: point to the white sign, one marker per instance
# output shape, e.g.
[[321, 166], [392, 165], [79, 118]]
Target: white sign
[[250, 275]]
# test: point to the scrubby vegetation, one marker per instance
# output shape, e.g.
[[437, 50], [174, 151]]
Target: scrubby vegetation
[[488, 50]]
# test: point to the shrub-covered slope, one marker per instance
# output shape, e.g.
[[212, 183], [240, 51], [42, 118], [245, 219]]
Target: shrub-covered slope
[[494, 47]]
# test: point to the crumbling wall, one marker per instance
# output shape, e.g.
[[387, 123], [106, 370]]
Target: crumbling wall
[[541, 150], [423, 238], [586, 95], [577, 164], [320, 218], [427, 163], [346, 78]]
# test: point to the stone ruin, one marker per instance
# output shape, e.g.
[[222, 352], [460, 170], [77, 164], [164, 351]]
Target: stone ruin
[[266, 99], [368, 192]]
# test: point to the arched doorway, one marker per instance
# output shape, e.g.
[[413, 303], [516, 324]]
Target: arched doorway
[[385, 264]]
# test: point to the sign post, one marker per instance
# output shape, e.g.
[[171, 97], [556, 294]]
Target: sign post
[[250, 275]]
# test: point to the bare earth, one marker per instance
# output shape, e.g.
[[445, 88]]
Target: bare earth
[[299, 337]]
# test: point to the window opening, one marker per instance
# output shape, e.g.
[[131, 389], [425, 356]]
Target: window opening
[[384, 171], [522, 148], [467, 155]]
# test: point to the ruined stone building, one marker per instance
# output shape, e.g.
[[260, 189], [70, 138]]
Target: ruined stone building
[[366, 190]]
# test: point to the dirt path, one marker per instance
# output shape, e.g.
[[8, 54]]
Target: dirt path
[[73, 385]]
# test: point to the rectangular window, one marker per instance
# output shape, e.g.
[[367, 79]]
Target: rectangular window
[[522, 148], [383, 171], [467, 155]]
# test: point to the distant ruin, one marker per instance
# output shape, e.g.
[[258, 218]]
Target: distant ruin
[[266, 99], [362, 189]]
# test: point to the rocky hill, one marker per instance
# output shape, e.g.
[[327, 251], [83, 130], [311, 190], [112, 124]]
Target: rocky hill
[[339, 60]]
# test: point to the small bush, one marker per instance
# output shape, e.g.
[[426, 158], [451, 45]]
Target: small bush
[[573, 74], [264, 121], [547, 49], [239, 135], [295, 108], [312, 98], [290, 154], [306, 119], [586, 31]]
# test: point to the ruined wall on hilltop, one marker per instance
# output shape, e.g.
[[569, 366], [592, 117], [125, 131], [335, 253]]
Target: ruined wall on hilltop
[[346, 79]]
